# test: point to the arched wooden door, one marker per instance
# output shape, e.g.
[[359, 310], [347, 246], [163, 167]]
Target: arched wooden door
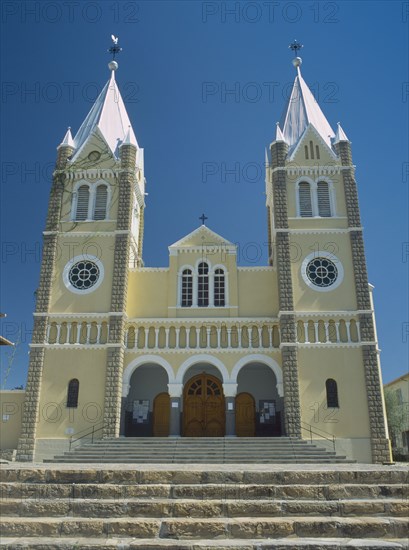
[[203, 407], [245, 415], [161, 415]]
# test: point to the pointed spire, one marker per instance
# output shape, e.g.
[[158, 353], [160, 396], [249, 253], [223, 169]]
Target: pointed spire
[[302, 109], [279, 134], [340, 134], [67, 141], [130, 138], [108, 115]]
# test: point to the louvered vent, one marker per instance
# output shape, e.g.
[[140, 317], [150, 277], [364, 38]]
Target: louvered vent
[[82, 203], [305, 199], [101, 203], [324, 205]]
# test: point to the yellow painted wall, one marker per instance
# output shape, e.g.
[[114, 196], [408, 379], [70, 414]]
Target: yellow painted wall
[[88, 366], [11, 403], [344, 365]]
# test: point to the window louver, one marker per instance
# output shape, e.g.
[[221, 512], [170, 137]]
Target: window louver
[[305, 199], [324, 206], [101, 197], [82, 203]]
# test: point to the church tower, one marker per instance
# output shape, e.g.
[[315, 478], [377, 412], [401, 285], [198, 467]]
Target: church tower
[[93, 234], [328, 336]]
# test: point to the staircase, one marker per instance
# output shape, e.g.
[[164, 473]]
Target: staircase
[[209, 450], [212, 507]]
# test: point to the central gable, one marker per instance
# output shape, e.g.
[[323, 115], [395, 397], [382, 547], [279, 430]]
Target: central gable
[[202, 237]]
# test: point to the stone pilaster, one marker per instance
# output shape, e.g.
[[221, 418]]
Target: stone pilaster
[[292, 410], [26, 444], [115, 355], [377, 420]]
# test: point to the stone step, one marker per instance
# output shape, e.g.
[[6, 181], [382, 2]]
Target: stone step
[[321, 475], [173, 460], [199, 528], [68, 543], [200, 492], [211, 508]]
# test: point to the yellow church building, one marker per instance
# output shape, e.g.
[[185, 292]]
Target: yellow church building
[[204, 347]]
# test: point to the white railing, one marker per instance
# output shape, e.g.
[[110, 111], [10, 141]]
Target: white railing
[[77, 332], [199, 335], [335, 331]]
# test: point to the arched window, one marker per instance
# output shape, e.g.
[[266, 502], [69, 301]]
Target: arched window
[[332, 393], [187, 288], [72, 393], [324, 204], [81, 212], [219, 288], [304, 196], [203, 285], [101, 197]]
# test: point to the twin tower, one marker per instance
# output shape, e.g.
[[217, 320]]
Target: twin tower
[[204, 347]]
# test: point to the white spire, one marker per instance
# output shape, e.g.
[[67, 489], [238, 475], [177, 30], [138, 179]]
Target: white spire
[[130, 138], [67, 141], [302, 110], [109, 115], [340, 134], [279, 134]]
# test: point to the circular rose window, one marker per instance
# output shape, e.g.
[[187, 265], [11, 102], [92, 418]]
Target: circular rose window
[[322, 271], [83, 274]]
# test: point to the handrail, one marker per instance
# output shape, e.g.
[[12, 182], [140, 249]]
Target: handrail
[[315, 431], [91, 431]]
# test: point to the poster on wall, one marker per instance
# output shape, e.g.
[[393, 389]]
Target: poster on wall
[[140, 411], [267, 411]]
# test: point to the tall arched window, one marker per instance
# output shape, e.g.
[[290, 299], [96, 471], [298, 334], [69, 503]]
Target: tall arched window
[[324, 204], [304, 197], [101, 197], [332, 393], [187, 288], [203, 285], [72, 393], [81, 212], [219, 288]]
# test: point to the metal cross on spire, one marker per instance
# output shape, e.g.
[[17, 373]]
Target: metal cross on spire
[[114, 49], [203, 218], [295, 47]]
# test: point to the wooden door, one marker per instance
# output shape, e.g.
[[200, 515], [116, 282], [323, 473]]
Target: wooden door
[[245, 415], [203, 407], [161, 415]]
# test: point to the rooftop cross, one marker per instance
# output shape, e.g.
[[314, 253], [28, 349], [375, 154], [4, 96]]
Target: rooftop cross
[[114, 49], [203, 218], [295, 47]]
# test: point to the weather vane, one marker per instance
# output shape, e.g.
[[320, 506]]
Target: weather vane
[[114, 49], [295, 47]]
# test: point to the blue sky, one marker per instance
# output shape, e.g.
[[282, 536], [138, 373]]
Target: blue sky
[[204, 84]]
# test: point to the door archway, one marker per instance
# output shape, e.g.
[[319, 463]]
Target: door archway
[[245, 415], [161, 415], [203, 407]]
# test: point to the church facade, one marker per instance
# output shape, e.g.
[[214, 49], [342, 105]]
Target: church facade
[[204, 347]]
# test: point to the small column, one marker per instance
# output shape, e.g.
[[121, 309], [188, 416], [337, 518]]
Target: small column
[[156, 338], [208, 337], [167, 338], [99, 327], [79, 327], [47, 338], [175, 393], [229, 337], [337, 331], [230, 392], [316, 332], [260, 337], [198, 338], [270, 336], [358, 330], [306, 337], [177, 330], [69, 325], [348, 327], [57, 340], [326, 325], [219, 333]]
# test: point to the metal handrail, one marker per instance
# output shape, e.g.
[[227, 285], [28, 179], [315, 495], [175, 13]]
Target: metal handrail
[[91, 432], [315, 431]]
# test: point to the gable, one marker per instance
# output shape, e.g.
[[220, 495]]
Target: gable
[[202, 236], [312, 148]]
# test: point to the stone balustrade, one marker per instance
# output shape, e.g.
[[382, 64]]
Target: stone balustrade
[[328, 331]]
